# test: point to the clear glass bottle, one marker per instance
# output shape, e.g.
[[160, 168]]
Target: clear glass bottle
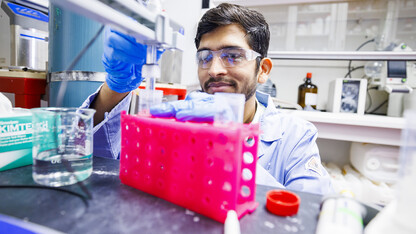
[[308, 93]]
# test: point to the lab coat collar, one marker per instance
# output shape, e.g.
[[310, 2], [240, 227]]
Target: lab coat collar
[[270, 122]]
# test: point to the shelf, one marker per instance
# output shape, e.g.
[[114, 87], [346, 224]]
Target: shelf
[[343, 55], [249, 3], [406, 33], [352, 127], [366, 15], [311, 35]]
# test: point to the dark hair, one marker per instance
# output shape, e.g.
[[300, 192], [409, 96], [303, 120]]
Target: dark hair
[[256, 27]]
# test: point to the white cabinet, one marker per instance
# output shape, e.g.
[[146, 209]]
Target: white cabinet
[[319, 25]]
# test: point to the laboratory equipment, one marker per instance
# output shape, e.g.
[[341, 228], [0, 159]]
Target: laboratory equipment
[[342, 215], [379, 163], [24, 35], [282, 202], [130, 17], [347, 95], [394, 80], [235, 112], [69, 36], [398, 216], [24, 88], [62, 145], [23, 51], [308, 93], [205, 168]]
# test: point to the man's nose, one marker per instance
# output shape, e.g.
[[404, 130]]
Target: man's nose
[[217, 67]]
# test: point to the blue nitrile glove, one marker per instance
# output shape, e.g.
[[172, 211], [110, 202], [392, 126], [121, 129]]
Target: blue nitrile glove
[[123, 59], [197, 107]]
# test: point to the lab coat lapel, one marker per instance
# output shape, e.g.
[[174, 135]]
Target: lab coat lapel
[[270, 131]]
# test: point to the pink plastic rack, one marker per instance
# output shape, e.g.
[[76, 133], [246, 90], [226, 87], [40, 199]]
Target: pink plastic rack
[[205, 168]]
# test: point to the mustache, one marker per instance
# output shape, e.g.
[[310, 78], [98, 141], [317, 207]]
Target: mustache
[[219, 79]]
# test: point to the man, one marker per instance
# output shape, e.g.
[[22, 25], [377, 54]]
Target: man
[[232, 43]]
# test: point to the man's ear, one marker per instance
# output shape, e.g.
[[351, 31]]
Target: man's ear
[[264, 71]]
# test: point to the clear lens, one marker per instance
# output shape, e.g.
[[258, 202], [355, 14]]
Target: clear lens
[[230, 57]]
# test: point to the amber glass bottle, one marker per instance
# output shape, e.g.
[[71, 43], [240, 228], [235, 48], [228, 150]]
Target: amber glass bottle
[[308, 93]]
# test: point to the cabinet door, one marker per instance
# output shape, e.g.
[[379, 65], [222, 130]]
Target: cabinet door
[[341, 25]]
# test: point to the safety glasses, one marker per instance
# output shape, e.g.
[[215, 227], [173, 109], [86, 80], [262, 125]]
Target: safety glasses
[[229, 57]]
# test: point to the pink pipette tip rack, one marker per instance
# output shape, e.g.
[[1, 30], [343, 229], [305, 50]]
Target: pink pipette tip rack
[[202, 167]]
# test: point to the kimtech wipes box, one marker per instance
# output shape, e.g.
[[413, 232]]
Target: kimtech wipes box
[[15, 138]]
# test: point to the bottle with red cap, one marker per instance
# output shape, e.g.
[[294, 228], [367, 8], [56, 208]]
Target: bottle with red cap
[[308, 93]]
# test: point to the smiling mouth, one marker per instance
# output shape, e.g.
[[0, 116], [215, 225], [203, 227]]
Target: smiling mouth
[[218, 84]]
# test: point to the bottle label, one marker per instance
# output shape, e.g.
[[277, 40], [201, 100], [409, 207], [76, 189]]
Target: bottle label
[[311, 99]]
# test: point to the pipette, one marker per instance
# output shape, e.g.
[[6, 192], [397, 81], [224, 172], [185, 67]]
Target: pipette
[[150, 71]]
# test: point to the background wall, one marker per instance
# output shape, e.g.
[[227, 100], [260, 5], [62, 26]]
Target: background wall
[[187, 13]]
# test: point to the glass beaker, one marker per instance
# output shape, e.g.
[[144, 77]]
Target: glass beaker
[[62, 145]]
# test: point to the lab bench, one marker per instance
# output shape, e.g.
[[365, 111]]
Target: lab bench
[[118, 208]]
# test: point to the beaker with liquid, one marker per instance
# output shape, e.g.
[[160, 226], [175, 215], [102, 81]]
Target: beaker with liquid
[[62, 145]]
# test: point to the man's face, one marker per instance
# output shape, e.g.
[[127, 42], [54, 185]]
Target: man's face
[[217, 78]]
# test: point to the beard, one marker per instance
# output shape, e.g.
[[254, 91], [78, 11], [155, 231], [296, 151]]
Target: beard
[[249, 89]]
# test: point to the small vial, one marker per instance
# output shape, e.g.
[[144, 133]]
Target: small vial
[[341, 215], [232, 225]]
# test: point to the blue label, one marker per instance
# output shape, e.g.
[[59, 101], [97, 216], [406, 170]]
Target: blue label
[[29, 36], [24, 11]]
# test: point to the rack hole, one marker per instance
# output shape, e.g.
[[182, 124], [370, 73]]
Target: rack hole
[[245, 191], [228, 167], [148, 132], [208, 181], [191, 176], [138, 129], [126, 156], [248, 157], [193, 141], [148, 163], [249, 141], [210, 162], [137, 145], [227, 186], [207, 200], [162, 135], [210, 145], [127, 127], [147, 179], [224, 205], [247, 174], [160, 183], [148, 148], [176, 137]]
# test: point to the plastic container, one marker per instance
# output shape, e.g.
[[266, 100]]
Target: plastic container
[[379, 163], [342, 215], [205, 168], [62, 145]]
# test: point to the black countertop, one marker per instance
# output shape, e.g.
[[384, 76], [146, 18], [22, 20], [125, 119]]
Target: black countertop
[[118, 208]]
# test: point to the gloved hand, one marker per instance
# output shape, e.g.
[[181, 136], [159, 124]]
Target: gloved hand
[[197, 107], [123, 59]]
